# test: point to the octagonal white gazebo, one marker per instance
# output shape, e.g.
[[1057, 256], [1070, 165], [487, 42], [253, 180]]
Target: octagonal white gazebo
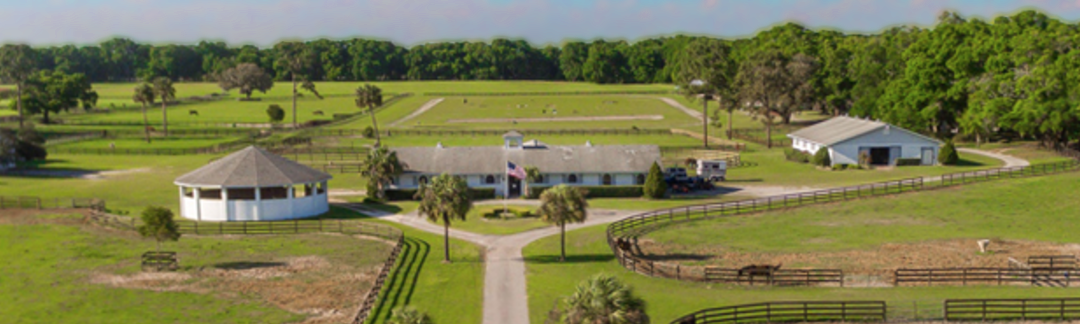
[[253, 185]]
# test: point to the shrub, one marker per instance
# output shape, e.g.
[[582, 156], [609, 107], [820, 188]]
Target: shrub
[[948, 154], [794, 155], [369, 132], [908, 161], [864, 158], [410, 194], [839, 167], [599, 191], [276, 113], [821, 158], [655, 187]]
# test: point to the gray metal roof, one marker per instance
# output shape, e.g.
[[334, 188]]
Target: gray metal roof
[[550, 159], [252, 167], [512, 134], [837, 129]]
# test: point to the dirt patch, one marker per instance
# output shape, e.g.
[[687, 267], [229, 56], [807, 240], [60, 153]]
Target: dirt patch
[[554, 119], [873, 266], [82, 174], [312, 285], [31, 216]]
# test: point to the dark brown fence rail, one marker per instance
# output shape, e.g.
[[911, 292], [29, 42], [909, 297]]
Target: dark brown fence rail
[[792, 311], [759, 136], [548, 93], [372, 296], [782, 277], [1011, 172], [982, 276], [8, 202], [1012, 309], [1052, 262]]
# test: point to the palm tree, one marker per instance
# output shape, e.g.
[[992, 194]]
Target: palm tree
[[445, 199], [381, 167], [369, 96], [296, 59], [604, 300], [164, 90], [408, 315], [532, 175], [560, 205], [144, 94]]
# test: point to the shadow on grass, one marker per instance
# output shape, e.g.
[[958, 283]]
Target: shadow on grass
[[968, 163], [341, 213], [245, 265], [401, 284], [572, 258]]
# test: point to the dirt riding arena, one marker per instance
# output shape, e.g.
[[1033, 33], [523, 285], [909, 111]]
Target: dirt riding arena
[[304, 285], [870, 267]]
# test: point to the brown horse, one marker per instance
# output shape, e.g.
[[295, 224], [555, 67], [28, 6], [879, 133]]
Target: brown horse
[[759, 270]]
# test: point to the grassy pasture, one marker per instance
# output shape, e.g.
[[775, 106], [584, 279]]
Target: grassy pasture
[[52, 265], [411, 141], [139, 143], [666, 299], [231, 111], [282, 89], [743, 119], [127, 183], [499, 112], [477, 222]]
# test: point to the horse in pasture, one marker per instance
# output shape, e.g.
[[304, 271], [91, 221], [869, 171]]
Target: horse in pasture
[[193, 112], [318, 113]]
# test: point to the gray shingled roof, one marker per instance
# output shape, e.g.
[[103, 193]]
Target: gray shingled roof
[[252, 167], [836, 130], [551, 159]]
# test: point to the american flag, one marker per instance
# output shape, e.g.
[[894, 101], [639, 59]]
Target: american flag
[[515, 171]]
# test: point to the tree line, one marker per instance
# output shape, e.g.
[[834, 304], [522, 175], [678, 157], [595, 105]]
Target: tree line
[[1012, 76]]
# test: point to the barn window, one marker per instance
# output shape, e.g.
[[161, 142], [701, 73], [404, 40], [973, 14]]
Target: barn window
[[490, 179], [640, 179], [607, 179], [571, 178]]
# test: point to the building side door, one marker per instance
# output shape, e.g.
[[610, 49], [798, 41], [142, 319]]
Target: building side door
[[515, 187], [928, 156]]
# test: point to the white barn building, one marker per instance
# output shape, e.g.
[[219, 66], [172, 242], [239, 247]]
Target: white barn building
[[486, 166], [847, 137], [253, 185]]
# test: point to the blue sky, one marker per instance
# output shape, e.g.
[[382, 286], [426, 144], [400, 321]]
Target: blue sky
[[263, 22]]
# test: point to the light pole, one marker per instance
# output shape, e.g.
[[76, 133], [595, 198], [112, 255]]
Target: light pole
[[700, 85]]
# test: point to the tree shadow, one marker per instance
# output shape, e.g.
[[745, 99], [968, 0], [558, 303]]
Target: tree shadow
[[571, 258], [745, 180], [968, 163], [245, 265]]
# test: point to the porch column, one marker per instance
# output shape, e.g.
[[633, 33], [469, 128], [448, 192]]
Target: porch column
[[198, 203], [258, 203], [291, 195], [225, 202], [181, 201]]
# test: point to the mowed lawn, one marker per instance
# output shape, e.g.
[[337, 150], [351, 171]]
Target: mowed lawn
[[549, 281], [230, 111], [476, 221], [53, 270], [497, 140], [127, 183], [480, 112], [1037, 209]]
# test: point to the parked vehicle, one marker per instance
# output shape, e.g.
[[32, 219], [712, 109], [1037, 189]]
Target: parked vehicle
[[712, 170], [675, 175]]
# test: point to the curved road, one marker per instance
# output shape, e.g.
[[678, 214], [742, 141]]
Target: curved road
[[505, 297]]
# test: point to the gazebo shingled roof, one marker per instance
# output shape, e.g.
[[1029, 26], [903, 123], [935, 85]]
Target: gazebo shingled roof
[[252, 167]]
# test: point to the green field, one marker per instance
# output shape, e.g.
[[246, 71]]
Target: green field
[[1012, 209], [230, 111], [53, 267], [280, 89], [496, 140], [139, 143], [501, 112]]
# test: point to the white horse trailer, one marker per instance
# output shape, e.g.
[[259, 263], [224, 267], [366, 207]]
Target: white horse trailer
[[712, 170]]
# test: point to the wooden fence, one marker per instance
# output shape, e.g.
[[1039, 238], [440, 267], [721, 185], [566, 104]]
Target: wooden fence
[[50, 203], [982, 276], [218, 148], [759, 136], [640, 224], [372, 296], [781, 277], [1052, 262], [1012, 309], [791, 311]]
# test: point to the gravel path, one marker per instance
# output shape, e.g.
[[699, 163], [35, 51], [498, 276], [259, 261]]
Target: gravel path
[[1010, 161], [505, 297], [423, 109]]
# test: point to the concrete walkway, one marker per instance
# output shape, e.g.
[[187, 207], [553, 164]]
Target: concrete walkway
[[505, 297], [423, 109]]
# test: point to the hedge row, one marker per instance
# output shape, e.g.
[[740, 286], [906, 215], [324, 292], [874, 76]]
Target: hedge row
[[410, 194], [598, 191]]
